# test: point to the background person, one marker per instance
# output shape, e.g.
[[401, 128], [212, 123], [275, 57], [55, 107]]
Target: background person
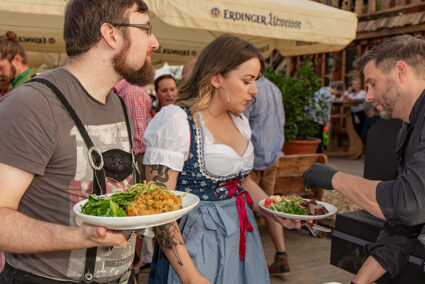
[[13, 61], [187, 67], [356, 94], [166, 91], [202, 145], [139, 104], [44, 167], [394, 74], [267, 120]]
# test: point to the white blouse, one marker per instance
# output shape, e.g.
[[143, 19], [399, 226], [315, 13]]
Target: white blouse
[[167, 140]]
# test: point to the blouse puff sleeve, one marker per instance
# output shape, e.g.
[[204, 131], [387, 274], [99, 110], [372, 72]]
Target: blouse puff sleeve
[[167, 139]]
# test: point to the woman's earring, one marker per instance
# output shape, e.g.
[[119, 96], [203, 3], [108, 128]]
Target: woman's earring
[[228, 99]]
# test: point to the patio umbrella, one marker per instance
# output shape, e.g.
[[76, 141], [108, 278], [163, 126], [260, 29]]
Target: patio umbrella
[[184, 27], [294, 27]]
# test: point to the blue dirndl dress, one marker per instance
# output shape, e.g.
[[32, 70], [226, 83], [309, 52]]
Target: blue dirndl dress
[[212, 231]]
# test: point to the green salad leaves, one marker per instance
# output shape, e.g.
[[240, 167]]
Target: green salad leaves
[[290, 207], [115, 204]]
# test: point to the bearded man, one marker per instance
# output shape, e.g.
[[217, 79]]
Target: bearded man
[[13, 61], [60, 132], [395, 76]]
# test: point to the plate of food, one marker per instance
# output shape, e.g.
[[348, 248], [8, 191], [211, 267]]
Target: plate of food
[[143, 205], [297, 208]]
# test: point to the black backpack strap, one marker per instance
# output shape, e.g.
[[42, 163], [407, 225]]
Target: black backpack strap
[[96, 162]]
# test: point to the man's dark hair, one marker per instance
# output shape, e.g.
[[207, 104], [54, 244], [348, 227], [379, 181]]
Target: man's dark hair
[[405, 47], [338, 85], [162, 77], [83, 19], [355, 79]]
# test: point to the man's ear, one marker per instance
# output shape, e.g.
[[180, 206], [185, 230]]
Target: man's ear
[[215, 81], [110, 35], [402, 71], [17, 59]]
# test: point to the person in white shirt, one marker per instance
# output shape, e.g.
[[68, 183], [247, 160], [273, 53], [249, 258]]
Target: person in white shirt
[[201, 145], [356, 94]]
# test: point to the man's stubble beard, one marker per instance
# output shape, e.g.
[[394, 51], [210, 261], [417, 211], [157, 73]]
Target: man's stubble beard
[[389, 99], [140, 77]]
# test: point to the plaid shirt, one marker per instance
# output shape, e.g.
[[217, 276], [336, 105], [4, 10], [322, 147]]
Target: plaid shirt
[[139, 105]]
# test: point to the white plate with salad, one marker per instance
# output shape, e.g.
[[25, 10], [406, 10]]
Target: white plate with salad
[[297, 208], [120, 221]]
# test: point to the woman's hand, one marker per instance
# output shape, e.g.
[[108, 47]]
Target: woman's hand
[[287, 223], [258, 194]]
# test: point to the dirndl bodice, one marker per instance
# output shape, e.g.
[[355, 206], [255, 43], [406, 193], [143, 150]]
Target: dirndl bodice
[[196, 179]]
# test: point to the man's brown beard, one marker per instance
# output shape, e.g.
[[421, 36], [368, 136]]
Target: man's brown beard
[[13, 72], [140, 77]]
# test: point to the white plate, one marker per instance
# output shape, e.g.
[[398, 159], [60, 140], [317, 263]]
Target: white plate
[[331, 210], [139, 222]]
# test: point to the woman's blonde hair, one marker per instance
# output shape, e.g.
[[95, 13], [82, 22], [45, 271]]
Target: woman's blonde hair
[[221, 56]]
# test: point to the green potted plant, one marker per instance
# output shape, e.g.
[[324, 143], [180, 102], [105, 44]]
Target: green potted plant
[[298, 95]]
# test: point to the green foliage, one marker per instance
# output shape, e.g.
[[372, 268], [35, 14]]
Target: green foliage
[[378, 5], [297, 95]]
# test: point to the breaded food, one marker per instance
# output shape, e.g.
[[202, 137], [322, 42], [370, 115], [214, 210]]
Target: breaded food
[[157, 201]]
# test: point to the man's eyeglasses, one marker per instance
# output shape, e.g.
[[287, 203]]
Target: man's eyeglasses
[[146, 27]]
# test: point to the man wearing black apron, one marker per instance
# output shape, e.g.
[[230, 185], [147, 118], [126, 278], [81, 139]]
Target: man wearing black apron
[[66, 136]]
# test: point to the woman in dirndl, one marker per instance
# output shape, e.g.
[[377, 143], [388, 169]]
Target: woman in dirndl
[[201, 145]]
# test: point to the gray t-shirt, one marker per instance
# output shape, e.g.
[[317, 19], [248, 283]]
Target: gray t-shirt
[[38, 136]]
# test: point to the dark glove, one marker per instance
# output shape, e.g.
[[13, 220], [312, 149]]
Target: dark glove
[[319, 176]]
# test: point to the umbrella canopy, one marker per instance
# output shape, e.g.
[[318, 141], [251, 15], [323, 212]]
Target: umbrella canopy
[[294, 27], [184, 27]]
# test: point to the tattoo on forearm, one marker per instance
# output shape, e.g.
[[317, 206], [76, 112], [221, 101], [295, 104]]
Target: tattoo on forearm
[[167, 239], [162, 174]]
